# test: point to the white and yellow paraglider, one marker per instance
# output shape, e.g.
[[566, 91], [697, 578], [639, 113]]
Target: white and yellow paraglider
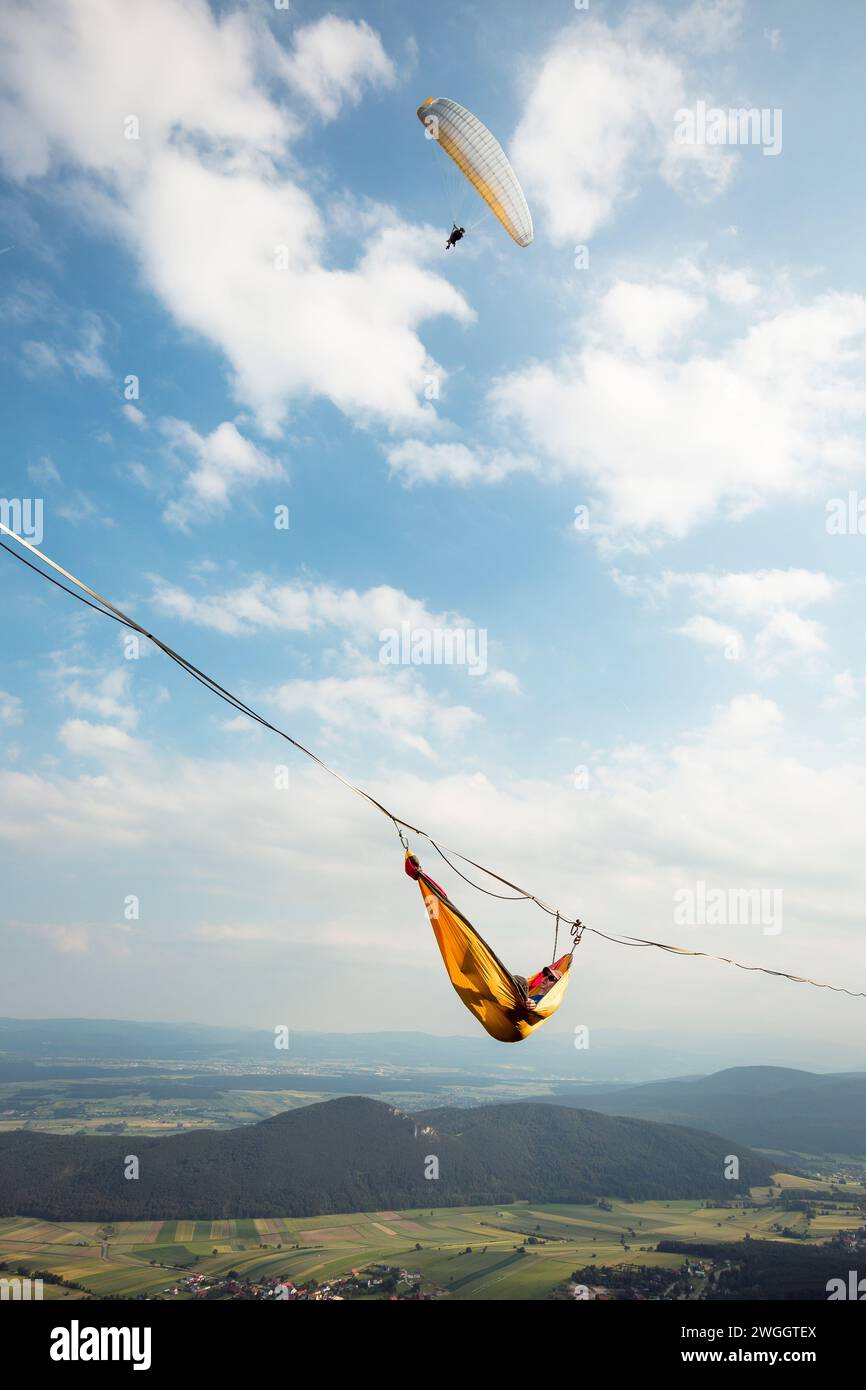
[[478, 155]]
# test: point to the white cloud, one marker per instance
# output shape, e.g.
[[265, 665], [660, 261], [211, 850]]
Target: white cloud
[[80, 507], [770, 600], [224, 461], [668, 441], [751, 593], [109, 699], [735, 287], [646, 318], [333, 60], [204, 200], [332, 936], [845, 689], [85, 740], [83, 356], [68, 940], [11, 709], [789, 634], [504, 680], [416, 462], [710, 633], [704, 26], [38, 357], [599, 114], [44, 471], [393, 703], [135, 416], [86, 359], [300, 606], [376, 688]]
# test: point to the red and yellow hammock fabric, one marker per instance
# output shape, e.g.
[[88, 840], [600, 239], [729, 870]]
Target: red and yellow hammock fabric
[[488, 990]]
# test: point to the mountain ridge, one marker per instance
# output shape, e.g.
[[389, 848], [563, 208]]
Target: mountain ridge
[[764, 1107]]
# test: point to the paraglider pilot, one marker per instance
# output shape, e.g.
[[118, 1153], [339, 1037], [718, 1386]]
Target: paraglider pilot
[[457, 234]]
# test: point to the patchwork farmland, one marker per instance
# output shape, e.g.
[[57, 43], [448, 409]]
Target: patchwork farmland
[[520, 1251]]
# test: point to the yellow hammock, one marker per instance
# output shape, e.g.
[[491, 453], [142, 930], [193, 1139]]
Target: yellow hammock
[[489, 991]]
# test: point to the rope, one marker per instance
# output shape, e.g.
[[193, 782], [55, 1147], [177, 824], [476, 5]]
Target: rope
[[449, 186], [726, 960], [109, 610], [477, 223], [504, 897]]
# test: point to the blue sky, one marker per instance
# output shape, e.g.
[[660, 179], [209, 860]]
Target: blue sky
[[698, 388]]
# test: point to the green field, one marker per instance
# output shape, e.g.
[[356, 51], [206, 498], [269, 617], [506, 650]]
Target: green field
[[466, 1252]]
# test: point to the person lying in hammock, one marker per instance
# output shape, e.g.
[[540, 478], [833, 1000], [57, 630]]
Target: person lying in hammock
[[535, 989], [457, 234]]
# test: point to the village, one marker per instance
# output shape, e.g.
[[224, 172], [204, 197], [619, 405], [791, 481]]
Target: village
[[640, 1283], [377, 1281]]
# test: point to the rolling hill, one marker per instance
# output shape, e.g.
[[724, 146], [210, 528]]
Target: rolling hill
[[765, 1107], [356, 1154]]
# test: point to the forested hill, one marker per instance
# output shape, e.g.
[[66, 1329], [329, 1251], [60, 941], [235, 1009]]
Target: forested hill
[[770, 1107], [356, 1154]]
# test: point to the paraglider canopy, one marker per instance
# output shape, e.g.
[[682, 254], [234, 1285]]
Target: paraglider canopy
[[480, 157]]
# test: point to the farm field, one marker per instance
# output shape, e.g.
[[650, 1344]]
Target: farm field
[[467, 1253]]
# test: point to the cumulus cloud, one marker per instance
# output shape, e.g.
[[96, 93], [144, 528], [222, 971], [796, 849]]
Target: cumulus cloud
[[401, 629], [736, 287], [85, 740], [645, 318], [300, 606], [670, 433], [332, 62], [710, 633], [754, 593], [845, 689], [223, 462], [231, 242], [504, 680], [392, 703], [599, 114], [108, 698], [416, 462], [769, 601]]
